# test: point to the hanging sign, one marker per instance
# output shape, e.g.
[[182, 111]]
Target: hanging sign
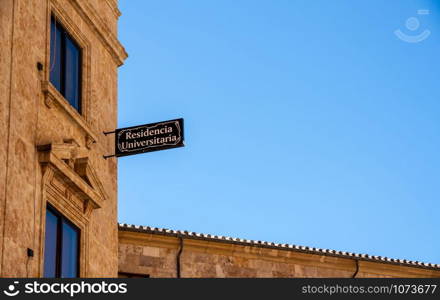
[[149, 137]]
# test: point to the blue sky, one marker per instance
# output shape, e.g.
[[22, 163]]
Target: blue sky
[[306, 121]]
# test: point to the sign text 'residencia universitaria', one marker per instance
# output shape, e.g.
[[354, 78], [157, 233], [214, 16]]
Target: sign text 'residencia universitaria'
[[149, 137]]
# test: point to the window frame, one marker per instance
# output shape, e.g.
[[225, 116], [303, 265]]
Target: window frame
[[61, 219], [66, 35], [52, 98]]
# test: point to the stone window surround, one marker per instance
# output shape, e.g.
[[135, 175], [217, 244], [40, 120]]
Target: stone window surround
[[59, 200], [52, 96], [70, 186]]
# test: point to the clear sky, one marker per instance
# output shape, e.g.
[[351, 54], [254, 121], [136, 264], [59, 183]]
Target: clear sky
[[306, 121]]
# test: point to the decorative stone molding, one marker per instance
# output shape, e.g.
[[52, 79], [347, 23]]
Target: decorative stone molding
[[110, 42], [54, 98], [75, 172], [114, 6], [84, 169], [90, 141], [48, 101]]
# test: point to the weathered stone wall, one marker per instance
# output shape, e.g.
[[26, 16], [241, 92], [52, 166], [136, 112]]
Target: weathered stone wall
[[29, 118], [6, 9], [156, 255]]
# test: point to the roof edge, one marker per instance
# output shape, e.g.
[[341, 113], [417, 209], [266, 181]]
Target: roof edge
[[287, 247]]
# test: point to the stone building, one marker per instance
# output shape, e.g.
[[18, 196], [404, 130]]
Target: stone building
[[156, 252], [58, 197], [58, 93]]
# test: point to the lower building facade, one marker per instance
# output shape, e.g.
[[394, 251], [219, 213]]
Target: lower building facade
[[155, 252]]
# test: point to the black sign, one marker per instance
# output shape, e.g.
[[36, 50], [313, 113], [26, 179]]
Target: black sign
[[149, 137]]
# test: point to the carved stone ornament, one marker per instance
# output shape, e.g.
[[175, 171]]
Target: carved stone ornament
[[75, 174]]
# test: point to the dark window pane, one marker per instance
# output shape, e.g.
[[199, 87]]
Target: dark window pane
[[65, 65], [50, 247], [56, 37], [72, 74], [69, 253]]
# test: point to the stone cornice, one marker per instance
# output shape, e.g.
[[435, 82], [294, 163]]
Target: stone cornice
[[110, 42], [114, 7]]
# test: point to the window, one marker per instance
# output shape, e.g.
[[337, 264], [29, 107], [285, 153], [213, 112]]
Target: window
[[65, 64], [61, 249]]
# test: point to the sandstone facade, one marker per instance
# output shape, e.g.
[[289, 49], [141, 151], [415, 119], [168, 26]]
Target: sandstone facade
[[50, 153]]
